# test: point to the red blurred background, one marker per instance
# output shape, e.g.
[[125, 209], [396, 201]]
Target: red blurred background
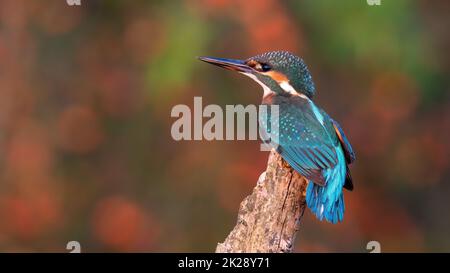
[[86, 93]]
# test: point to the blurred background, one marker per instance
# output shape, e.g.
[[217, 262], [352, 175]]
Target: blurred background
[[86, 93]]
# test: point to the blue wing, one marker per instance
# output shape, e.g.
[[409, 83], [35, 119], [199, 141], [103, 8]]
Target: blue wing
[[350, 156], [306, 138], [316, 147]]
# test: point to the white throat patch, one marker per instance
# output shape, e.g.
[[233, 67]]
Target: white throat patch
[[266, 89], [286, 86]]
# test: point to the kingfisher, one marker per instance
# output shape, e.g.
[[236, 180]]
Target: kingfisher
[[308, 139]]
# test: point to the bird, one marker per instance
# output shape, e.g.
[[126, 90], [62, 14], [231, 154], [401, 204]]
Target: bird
[[308, 139]]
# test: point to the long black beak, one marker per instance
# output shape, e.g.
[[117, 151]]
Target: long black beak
[[235, 65]]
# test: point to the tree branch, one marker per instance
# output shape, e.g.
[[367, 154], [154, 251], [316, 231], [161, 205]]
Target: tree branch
[[269, 218]]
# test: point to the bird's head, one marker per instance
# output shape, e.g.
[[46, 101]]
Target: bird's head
[[277, 71]]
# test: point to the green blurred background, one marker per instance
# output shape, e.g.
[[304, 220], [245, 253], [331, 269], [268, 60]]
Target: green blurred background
[[86, 94]]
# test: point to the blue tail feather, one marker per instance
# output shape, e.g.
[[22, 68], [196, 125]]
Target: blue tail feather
[[327, 202]]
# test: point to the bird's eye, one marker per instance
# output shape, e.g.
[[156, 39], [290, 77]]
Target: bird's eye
[[262, 67], [265, 67]]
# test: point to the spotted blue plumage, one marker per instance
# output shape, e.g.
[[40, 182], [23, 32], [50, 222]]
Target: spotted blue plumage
[[307, 140], [304, 135]]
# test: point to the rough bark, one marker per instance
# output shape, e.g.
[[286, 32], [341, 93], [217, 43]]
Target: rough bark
[[269, 218]]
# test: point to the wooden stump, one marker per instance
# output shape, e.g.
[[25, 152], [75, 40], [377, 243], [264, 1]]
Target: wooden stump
[[269, 218]]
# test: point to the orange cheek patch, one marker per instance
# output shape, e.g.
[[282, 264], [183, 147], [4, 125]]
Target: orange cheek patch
[[277, 76], [252, 63]]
